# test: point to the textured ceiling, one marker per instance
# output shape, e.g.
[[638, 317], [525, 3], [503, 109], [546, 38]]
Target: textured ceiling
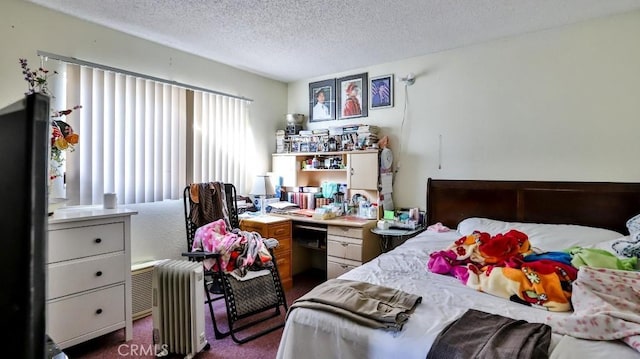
[[289, 40]]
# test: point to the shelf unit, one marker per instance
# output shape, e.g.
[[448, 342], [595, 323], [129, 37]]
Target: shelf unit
[[360, 171]]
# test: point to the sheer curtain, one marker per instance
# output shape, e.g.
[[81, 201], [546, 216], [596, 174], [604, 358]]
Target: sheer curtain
[[220, 126], [132, 138]]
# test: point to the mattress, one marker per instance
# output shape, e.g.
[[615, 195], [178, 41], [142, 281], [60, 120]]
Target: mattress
[[315, 334]]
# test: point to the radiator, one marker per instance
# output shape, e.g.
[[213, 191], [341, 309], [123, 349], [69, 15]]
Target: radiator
[[141, 277], [178, 308]]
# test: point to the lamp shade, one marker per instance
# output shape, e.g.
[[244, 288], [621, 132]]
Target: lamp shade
[[262, 186]]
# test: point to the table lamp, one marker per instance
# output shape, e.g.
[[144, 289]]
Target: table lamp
[[262, 187]]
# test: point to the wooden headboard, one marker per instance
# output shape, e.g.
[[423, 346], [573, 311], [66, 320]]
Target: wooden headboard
[[596, 204]]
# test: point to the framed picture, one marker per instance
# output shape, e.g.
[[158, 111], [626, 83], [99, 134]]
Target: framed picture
[[351, 96], [381, 92], [322, 100]]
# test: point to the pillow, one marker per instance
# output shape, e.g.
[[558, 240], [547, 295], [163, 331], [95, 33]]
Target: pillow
[[546, 237]]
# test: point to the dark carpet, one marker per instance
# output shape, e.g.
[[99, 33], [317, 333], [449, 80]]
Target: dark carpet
[[113, 345]]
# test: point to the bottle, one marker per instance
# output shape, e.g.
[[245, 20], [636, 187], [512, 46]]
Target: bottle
[[373, 211], [363, 210], [315, 163]]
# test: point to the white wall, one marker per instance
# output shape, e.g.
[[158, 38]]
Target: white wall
[[561, 104], [158, 231]]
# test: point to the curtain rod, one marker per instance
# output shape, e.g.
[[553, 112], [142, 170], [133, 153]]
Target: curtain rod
[[73, 60]]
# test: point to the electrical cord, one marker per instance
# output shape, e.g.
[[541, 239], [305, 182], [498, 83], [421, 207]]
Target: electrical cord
[[404, 117]]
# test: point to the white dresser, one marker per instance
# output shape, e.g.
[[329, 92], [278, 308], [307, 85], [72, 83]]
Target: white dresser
[[88, 273]]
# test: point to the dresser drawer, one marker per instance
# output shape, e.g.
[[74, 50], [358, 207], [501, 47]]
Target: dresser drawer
[[344, 247], [78, 242], [70, 277], [353, 232], [78, 315], [280, 230]]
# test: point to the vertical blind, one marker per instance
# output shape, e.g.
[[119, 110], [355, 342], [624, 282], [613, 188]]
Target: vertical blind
[[219, 138], [133, 137]]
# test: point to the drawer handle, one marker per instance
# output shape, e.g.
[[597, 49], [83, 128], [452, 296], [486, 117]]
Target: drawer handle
[[99, 311], [344, 266], [98, 273], [278, 231], [344, 244], [98, 240]]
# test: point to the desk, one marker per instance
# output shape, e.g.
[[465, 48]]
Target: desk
[[334, 245], [280, 229], [387, 236]]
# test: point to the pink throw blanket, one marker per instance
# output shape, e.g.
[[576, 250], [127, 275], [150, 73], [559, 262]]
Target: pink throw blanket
[[237, 251], [606, 306]]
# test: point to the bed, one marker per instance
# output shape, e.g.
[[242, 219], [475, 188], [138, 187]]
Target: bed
[[598, 211]]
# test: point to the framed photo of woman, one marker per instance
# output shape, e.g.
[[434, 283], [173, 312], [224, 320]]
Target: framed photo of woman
[[381, 92], [351, 96], [322, 100]]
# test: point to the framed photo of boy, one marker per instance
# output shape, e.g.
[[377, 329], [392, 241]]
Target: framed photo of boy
[[351, 96], [322, 100], [381, 92]]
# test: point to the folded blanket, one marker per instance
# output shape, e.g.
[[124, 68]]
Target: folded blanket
[[606, 305], [481, 335], [364, 303]]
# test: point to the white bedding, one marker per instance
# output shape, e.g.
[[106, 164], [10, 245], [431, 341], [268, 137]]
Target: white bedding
[[314, 334]]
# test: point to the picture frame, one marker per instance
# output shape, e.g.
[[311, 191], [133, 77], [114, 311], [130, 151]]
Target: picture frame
[[322, 100], [352, 96], [381, 92]]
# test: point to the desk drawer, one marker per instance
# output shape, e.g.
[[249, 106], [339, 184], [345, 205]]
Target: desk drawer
[[78, 315], [284, 266], [280, 230], [79, 242], [344, 247], [253, 227], [80, 275], [353, 232], [338, 266], [283, 245]]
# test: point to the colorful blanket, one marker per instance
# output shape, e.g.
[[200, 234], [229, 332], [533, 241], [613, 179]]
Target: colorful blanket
[[606, 307], [497, 265], [239, 251]]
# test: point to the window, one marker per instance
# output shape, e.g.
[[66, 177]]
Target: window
[[219, 138], [145, 139]]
